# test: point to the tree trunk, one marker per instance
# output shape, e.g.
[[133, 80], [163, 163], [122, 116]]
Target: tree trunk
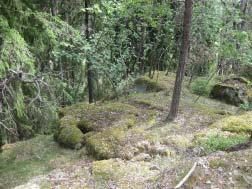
[[89, 64], [54, 7], [182, 60]]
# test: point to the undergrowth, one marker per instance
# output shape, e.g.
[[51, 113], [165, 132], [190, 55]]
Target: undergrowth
[[217, 142]]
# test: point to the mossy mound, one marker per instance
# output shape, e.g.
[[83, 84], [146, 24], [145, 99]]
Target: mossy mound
[[149, 84], [236, 124], [150, 100], [159, 81], [108, 143], [96, 117], [117, 141], [103, 128], [242, 123], [71, 137]]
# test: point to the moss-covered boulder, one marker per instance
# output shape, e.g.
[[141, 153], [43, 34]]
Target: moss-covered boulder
[[118, 141], [103, 128], [71, 137], [104, 145], [232, 91]]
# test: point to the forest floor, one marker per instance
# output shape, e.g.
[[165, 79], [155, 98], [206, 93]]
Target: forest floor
[[162, 153]]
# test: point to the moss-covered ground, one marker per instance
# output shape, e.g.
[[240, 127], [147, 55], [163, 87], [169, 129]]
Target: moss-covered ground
[[127, 144]]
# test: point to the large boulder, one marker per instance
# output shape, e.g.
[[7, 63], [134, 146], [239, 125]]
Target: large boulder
[[236, 91]]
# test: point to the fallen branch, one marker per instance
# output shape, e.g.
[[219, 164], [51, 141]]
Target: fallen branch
[[247, 180], [182, 182]]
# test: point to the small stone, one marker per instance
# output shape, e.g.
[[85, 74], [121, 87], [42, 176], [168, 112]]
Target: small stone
[[220, 169], [208, 182], [207, 172], [154, 167], [198, 151], [236, 172]]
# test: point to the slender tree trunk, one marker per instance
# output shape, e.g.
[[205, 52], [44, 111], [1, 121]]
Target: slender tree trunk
[[182, 60], [177, 30], [89, 64], [54, 7]]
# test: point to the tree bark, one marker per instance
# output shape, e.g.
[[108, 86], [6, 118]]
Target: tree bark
[[182, 60], [89, 64], [54, 7]]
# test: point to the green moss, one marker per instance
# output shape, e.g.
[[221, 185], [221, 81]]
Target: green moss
[[71, 137], [105, 169], [237, 124], [125, 174], [108, 143], [151, 100], [216, 163], [85, 126], [83, 118], [103, 145], [150, 84], [158, 82], [249, 93], [23, 160]]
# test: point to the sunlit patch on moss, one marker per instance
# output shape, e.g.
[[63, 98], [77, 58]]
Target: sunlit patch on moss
[[236, 124]]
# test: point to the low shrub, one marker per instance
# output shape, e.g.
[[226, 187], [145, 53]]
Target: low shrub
[[217, 142], [201, 86]]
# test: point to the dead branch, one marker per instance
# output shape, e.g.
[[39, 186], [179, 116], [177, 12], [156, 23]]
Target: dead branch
[[182, 182]]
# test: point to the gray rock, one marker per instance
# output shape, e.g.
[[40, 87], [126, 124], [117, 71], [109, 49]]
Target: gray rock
[[232, 91]]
